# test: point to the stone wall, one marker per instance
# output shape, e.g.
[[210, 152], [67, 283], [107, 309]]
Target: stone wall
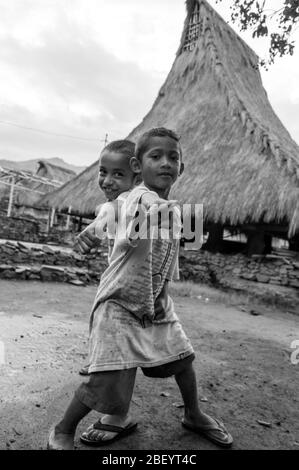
[[15, 228], [58, 237], [207, 267], [34, 231], [42, 262], [25, 261]]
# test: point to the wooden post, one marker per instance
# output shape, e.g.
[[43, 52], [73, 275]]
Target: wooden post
[[268, 243], [52, 217], [256, 243], [80, 224], [215, 238], [48, 221], [68, 220], [12, 186], [294, 243]]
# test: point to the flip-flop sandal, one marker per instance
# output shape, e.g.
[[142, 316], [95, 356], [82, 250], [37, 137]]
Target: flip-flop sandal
[[211, 432], [52, 445], [84, 370], [121, 432]]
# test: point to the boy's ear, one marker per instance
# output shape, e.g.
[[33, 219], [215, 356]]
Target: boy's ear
[[182, 169], [135, 165]]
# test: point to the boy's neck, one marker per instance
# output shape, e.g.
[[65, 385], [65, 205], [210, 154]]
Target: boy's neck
[[163, 193]]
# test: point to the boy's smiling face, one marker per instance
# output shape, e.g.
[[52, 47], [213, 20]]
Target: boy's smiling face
[[115, 174], [161, 164]]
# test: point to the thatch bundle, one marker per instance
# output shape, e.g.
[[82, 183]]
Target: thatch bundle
[[241, 163]]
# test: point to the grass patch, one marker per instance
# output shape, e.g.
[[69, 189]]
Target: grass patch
[[191, 289], [230, 296]]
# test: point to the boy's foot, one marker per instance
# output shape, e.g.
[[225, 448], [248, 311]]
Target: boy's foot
[[60, 441], [212, 429], [108, 429], [84, 370]]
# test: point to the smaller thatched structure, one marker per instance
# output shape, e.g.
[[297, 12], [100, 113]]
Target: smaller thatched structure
[[81, 194], [47, 177], [54, 172]]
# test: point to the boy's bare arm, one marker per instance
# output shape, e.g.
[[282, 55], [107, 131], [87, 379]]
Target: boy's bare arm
[[150, 205], [107, 220], [161, 302], [92, 235], [86, 240]]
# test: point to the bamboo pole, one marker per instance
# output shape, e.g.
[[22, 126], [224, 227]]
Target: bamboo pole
[[68, 220], [23, 188], [12, 186], [48, 221], [52, 217]]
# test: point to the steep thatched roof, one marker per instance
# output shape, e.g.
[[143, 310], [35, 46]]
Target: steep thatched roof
[[241, 163]]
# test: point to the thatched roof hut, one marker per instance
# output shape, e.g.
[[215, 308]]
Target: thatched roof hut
[[240, 161]]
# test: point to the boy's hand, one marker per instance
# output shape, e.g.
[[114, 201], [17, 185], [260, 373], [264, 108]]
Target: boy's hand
[[87, 240], [153, 203]]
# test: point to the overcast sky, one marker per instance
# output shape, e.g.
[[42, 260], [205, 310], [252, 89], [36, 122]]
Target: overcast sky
[[84, 68]]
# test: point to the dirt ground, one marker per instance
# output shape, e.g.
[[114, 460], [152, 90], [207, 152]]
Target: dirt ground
[[243, 366]]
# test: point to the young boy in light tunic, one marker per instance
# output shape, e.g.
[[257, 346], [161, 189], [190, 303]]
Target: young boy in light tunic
[[116, 178], [133, 323]]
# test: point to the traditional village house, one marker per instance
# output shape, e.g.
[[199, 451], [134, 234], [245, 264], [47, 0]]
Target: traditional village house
[[240, 161]]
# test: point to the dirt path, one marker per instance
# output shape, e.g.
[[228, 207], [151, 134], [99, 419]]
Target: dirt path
[[243, 369]]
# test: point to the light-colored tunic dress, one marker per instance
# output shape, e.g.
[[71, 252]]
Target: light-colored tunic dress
[[123, 331]]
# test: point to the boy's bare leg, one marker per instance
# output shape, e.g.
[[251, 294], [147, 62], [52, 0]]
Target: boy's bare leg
[[62, 436], [123, 382], [186, 381], [194, 418]]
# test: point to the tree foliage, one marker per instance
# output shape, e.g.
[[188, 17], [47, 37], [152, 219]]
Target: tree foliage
[[256, 15]]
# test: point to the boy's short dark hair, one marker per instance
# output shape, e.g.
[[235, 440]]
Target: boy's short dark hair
[[155, 132], [126, 147]]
